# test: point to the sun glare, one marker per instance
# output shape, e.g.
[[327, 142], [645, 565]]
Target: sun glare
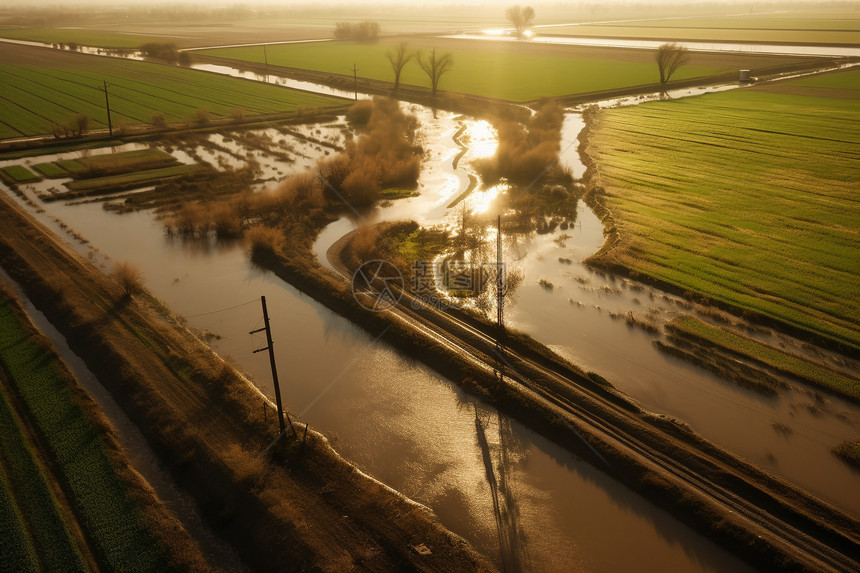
[[483, 139], [480, 201]]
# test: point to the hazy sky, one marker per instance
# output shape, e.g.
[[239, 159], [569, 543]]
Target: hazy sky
[[426, 3]]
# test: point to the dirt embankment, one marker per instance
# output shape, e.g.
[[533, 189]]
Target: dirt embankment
[[297, 507]]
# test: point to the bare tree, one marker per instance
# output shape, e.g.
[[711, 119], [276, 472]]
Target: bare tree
[[669, 58], [83, 122], [398, 60], [521, 18], [435, 67]]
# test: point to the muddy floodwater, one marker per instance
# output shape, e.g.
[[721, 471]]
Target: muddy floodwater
[[487, 477], [396, 419]]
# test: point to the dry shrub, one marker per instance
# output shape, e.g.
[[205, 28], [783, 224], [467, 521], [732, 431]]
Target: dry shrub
[[361, 186], [385, 155], [226, 219], [129, 278], [359, 113], [247, 469], [364, 244], [297, 196], [262, 238], [526, 150], [202, 116], [190, 220], [334, 170]]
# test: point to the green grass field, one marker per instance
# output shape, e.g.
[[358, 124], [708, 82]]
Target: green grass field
[[111, 519], [764, 354], [95, 38], [748, 197], [510, 71], [816, 28], [50, 170], [138, 178], [18, 174], [42, 86]]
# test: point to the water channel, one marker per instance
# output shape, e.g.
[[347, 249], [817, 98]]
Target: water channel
[[497, 35], [416, 431], [397, 420]]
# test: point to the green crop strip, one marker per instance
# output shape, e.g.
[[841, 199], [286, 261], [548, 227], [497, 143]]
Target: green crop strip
[[782, 361], [41, 525], [111, 520]]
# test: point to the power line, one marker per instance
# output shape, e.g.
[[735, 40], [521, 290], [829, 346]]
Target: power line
[[223, 309]]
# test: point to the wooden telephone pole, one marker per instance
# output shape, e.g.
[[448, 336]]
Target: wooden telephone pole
[[107, 105], [270, 347], [355, 80], [500, 304]]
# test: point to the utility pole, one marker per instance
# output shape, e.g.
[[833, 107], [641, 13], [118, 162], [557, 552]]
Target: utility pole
[[355, 80], [499, 278], [107, 105], [266, 58], [270, 346]]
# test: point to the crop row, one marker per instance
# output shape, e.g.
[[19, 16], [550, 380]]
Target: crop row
[[18, 174], [137, 91], [43, 520], [15, 545], [746, 196], [124, 181], [111, 519]]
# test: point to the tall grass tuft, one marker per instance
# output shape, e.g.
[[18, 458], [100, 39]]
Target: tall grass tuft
[[129, 277], [264, 239]]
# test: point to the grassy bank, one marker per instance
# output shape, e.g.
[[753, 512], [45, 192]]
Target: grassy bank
[[125, 527], [43, 87], [745, 197], [783, 362], [508, 71]]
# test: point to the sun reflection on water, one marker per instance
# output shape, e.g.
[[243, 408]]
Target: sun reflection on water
[[482, 138], [481, 199]]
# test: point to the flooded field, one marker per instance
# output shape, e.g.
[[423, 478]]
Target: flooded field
[[419, 433], [399, 421]]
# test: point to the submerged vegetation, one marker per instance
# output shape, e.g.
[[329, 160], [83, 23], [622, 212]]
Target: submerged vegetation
[[776, 359], [849, 450]]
